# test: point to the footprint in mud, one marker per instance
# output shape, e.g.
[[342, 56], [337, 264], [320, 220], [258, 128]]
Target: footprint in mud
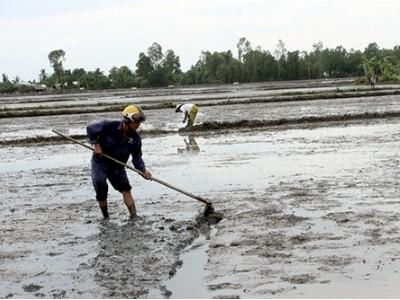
[[340, 217], [54, 253], [58, 294], [224, 285], [31, 288], [300, 279], [40, 295], [165, 292]]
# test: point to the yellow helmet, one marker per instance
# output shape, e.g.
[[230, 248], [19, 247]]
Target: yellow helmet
[[133, 113]]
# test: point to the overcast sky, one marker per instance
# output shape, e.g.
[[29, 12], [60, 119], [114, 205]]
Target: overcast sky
[[105, 33]]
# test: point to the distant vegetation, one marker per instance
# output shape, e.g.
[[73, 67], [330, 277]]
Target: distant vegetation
[[156, 68]]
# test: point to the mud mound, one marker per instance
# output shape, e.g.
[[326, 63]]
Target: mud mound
[[211, 126]]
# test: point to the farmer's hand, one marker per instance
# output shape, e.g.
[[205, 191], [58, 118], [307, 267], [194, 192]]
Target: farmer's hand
[[147, 175], [97, 150]]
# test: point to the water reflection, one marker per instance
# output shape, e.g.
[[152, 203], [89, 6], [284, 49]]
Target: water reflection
[[191, 145]]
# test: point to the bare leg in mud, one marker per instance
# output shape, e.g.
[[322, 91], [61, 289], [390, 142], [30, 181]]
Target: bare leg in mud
[[130, 204], [104, 208]]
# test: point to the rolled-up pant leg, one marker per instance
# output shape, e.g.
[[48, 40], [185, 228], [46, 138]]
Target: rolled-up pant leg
[[119, 179], [192, 116]]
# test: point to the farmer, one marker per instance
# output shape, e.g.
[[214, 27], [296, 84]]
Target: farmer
[[119, 140], [372, 81], [190, 111]]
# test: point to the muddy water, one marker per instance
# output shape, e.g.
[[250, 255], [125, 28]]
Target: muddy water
[[309, 212], [167, 119], [220, 94], [172, 94]]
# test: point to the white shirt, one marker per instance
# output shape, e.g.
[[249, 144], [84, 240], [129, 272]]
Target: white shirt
[[186, 108]]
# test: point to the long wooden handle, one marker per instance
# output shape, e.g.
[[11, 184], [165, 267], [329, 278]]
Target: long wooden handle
[[135, 170]]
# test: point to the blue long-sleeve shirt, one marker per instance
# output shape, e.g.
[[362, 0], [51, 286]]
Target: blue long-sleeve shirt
[[109, 135]]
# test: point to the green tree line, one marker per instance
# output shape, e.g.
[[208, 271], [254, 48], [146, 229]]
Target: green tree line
[[155, 68]]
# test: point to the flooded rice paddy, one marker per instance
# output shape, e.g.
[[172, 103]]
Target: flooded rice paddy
[[311, 209]]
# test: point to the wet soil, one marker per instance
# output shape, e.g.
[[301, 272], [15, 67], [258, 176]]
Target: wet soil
[[166, 121], [309, 210]]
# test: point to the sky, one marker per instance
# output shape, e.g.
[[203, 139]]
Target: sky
[[104, 33]]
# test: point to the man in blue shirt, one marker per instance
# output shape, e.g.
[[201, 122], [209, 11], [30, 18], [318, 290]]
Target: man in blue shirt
[[119, 140]]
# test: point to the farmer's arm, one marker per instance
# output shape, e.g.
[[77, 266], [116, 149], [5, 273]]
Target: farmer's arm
[[94, 132], [186, 116], [138, 162], [97, 149]]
